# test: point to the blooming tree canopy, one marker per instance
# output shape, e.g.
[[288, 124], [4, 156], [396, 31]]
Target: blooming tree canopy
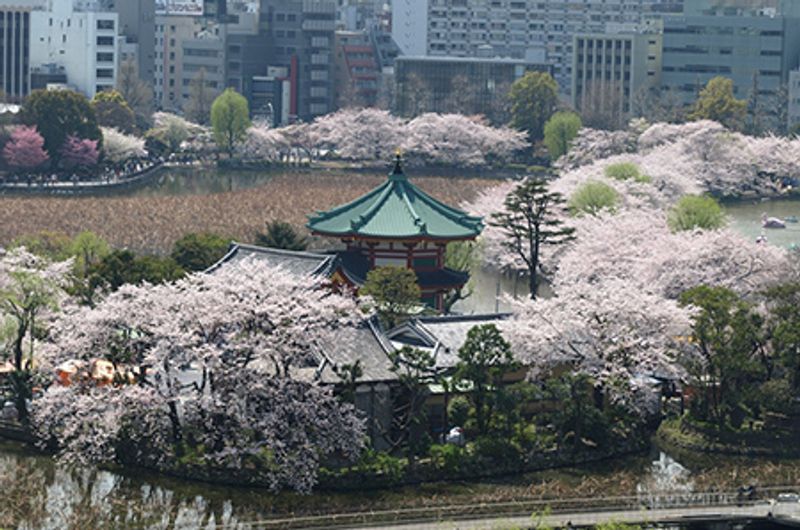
[[360, 134], [454, 139], [263, 143], [25, 149], [79, 153], [225, 362], [615, 334], [119, 147], [371, 135], [614, 314]]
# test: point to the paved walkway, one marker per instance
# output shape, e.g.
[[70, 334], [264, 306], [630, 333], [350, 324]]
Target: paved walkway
[[789, 514]]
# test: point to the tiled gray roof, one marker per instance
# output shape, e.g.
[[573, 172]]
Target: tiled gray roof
[[445, 334], [301, 263], [366, 344]]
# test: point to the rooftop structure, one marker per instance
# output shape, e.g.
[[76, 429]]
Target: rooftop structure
[[398, 224], [443, 336]]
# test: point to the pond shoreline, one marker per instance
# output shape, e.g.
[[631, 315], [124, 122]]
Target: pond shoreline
[[146, 177], [156, 497], [351, 479]]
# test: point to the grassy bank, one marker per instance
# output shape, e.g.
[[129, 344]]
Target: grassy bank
[[683, 434]]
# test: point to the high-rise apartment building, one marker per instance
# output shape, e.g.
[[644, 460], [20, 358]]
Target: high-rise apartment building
[[531, 29], [203, 62], [793, 95], [170, 33], [78, 38]]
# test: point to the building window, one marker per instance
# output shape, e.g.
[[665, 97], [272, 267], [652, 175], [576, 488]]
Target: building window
[[105, 57], [105, 73], [105, 41], [105, 24]]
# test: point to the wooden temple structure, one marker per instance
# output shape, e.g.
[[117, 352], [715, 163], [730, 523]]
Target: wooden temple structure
[[398, 224]]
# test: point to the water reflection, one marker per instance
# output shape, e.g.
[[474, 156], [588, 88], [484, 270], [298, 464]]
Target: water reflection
[[37, 494], [667, 483]]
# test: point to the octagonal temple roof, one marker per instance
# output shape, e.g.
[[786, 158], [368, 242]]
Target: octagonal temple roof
[[396, 210]]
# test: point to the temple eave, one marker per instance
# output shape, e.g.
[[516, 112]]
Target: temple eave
[[382, 237]]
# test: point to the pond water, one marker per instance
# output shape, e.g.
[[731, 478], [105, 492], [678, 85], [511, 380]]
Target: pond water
[[745, 217], [199, 181], [39, 494]]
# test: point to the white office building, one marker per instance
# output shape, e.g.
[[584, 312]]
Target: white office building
[[78, 37]]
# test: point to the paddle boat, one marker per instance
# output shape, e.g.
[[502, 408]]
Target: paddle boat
[[771, 222]]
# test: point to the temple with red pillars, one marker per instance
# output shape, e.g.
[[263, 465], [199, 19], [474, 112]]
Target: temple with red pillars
[[398, 224]]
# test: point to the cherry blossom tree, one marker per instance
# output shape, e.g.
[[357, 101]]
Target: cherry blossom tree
[[31, 289], [454, 139], [372, 135], [173, 130], [360, 134], [79, 153], [637, 248], [304, 140], [119, 147], [224, 362], [687, 159], [614, 316], [25, 149], [613, 333], [263, 143]]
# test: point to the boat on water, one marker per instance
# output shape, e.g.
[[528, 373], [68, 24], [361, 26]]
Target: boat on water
[[771, 222]]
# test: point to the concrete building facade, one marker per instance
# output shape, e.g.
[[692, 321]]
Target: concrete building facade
[[435, 80], [137, 26], [410, 26], [522, 29], [203, 61], [80, 38], [793, 91], [170, 33], [756, 49], [15, 71], [358, 72], [301, 34], [608, 70]]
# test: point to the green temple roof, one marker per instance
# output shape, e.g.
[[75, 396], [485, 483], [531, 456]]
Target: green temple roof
[[398, 210]]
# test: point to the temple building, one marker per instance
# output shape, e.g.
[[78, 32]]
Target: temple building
[[398, 224]]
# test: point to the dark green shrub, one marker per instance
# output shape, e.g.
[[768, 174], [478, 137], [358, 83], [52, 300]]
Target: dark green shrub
[[497, 452], [458, 411], [448, 458], [197, 252]]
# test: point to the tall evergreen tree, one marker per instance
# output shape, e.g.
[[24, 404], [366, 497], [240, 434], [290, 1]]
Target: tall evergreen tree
[[530, 221]]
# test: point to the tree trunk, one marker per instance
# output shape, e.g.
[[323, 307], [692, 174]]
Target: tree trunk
[[20, 379]]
